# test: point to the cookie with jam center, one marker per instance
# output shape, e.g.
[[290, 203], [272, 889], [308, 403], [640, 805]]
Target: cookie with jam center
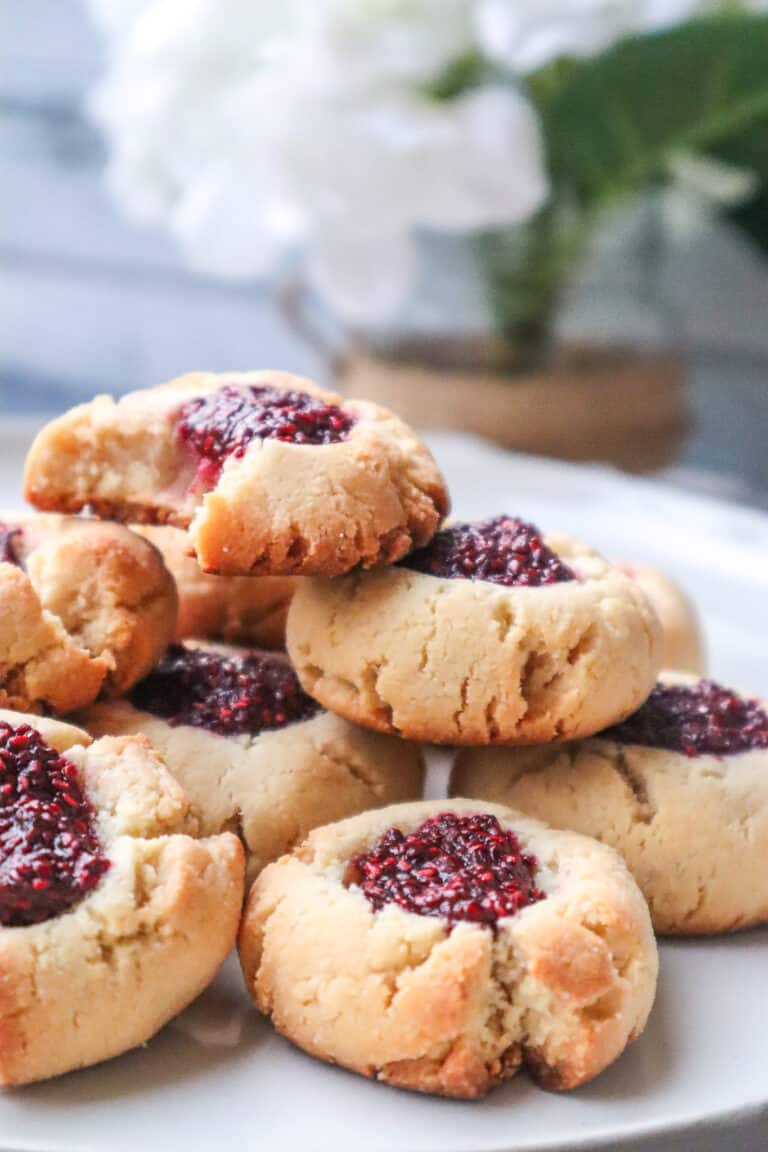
[[114, 916], [440, 946], [493, 633], [269, 474], [677, 788], [254, 753]]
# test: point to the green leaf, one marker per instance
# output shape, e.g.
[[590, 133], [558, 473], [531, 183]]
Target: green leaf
[[748, 149], [526, 269], [617, 120], [752, 219], [546, 84], [459, 76]]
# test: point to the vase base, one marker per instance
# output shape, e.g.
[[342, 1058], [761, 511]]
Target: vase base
[[614, 406]]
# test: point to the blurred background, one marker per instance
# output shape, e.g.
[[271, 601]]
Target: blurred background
[[545, 222]]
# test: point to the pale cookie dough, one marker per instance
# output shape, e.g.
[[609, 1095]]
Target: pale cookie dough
[[86, 608], [105, 975], [683, 646], [693, 829], [453, 1009], [278, 508], [467, 661], [273, 786], [242, 609]]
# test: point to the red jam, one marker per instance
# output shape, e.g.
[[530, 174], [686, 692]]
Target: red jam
[[224, 423], [10, 541], [503, 550], [454, 867], [229, 694], [700, 719], [50, 856]]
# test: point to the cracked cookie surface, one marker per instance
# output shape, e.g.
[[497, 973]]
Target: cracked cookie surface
[[239, 609], [467, 661], [107, 974], [275, 784], [272, 499], [693, 829], [86, 609], [446, 1007]]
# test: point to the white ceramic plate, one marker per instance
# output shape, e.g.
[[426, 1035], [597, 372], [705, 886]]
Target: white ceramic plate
[[218, 1077]]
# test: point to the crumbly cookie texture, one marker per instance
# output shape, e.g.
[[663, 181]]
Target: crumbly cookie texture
[[471, 662], [683, 646], [87, 609], [562, 986], [247, 610], [107, 975], [693, 830], [277, 509], [276, 786]]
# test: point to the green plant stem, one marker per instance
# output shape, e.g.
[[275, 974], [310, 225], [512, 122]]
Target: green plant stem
[[611, 126], [527, 269]]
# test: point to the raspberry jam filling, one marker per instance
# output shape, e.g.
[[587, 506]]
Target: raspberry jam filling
[[231, 695], [225, 422], [10, 542], [455, 867], [503, 550], [700, 719], [50, 856]]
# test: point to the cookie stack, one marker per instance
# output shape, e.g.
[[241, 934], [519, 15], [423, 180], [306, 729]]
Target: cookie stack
[[434, 945]]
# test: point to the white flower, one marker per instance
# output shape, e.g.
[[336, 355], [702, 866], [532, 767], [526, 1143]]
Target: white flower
[[526, 34], [115, 17], [254, 130]]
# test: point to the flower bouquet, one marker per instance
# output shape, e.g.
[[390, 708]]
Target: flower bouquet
[[329, 145]]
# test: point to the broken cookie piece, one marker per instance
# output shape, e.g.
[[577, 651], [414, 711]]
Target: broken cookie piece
[[270, 474]]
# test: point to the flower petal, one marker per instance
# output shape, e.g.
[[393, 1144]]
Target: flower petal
[[364, 274]]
